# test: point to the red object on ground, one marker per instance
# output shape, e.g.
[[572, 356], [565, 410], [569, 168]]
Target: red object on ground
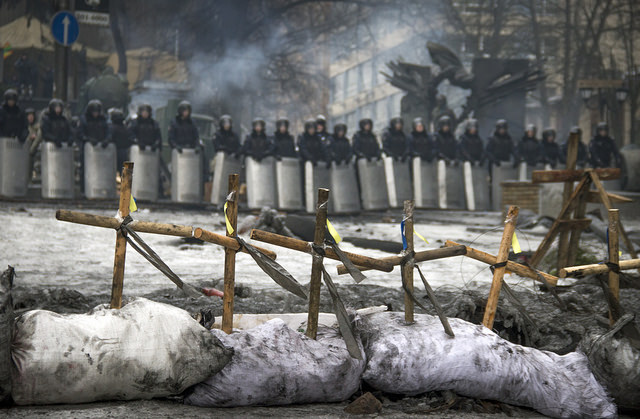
[[212, 292]]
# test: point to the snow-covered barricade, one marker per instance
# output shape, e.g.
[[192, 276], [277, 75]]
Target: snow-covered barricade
[[276, 365], [142, 351], [477, 363]]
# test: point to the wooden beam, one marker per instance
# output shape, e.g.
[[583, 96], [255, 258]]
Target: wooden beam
[[596, 269], [614, 258], [517, 268], [422, 256], [574, 224], [231, 216], [498, 272], [121, 241], [594, 198], [572, 159], [408, 265], [227, 242], [303, 246], [574, 242], [317, 263], [556, 176]]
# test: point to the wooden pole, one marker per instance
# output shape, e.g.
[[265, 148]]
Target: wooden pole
[[303, 246], [316, 266], [522, 270], [498, 272], [408, 265], [154, 228], [572, 158], [614, 258], [597, 268], [230, 257], [121, 241], [574, 241], [423, 256]]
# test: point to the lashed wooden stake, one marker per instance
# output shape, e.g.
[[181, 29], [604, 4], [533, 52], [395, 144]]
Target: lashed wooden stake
[[572, 158], [614, 258], [498, 272], [597, 268], [230, 256], [316, 265], [408, 264], [121, 241]]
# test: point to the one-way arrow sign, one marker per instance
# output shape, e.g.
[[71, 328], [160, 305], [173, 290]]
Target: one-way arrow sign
[[64, 28]]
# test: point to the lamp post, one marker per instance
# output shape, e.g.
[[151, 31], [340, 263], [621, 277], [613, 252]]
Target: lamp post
[[598, 95]]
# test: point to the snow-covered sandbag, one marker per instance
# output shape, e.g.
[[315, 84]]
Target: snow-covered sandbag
[[6, 322], [275, 365], [144, 350], [616, 364], [477, 363]]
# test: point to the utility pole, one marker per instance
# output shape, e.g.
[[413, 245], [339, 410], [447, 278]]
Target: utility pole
[[61, 61]]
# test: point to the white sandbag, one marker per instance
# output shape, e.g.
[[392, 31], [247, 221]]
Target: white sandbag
[[616, 364], [275, 365], [141, 351], [477, 363]]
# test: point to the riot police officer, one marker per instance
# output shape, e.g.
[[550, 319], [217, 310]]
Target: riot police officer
[[310, 144], [420, 142], [13, 121], [321, 128], [550, 148], [340, 149], [603, 148], [256, 144], [144, 130], [470, 144], [529, 150], [500, 146], [283, 142], [583, 152], [183, 133], [394, 141], [54, 126], [446, 144], [121, 136], [225, 139], [365, 143], [93, 125]]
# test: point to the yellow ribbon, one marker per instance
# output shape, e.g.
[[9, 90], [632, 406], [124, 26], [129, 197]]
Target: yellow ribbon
[[333, 232], [419, 235], [515, 244], [226, 220], [132, 204]]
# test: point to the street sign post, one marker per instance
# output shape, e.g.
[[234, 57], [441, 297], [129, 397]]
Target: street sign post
[[64, 28]]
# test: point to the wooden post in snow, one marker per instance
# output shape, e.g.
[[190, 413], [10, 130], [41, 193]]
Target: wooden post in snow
[[121, 241], [614, 259], [408, 265], [316, 266], [231, 217]]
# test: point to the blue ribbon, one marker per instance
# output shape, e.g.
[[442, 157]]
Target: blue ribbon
[[404, 237]]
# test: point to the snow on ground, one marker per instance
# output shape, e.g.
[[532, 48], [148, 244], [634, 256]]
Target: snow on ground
[[51, 253]]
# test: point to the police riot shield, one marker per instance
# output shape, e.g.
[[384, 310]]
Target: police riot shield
[[99, 171], [315, 177], [425, 183], [525, 171], [225, 165], [503, 173], [450, 186], [372, 185], [631, 167], [398, 175], [146, 182], [58, 169], [261, 183], [477, 187], [14, 167], [288, 183], [186, 176], [344, 188]]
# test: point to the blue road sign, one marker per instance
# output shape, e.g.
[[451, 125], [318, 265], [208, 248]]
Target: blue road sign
[[64, 28]]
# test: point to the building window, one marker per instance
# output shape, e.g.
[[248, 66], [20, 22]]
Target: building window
[[381, 111], [352, 82], [337, 88], [367, 75]]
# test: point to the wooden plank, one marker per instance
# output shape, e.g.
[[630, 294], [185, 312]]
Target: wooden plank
[[498, 272], [544, 246], [574, 224], [556, 176], [594, 198], [230, 256], [121, 241], [303, 246], [316, 265], [422, 256], [574, 242], [408, 266], [596, 269], [572, 158], [614, 258]]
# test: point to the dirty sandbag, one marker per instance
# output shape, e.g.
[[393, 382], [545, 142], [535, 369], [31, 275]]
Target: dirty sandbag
[[616, 364], [275, 365], [417, 358], [144, 350], [6, 322]]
